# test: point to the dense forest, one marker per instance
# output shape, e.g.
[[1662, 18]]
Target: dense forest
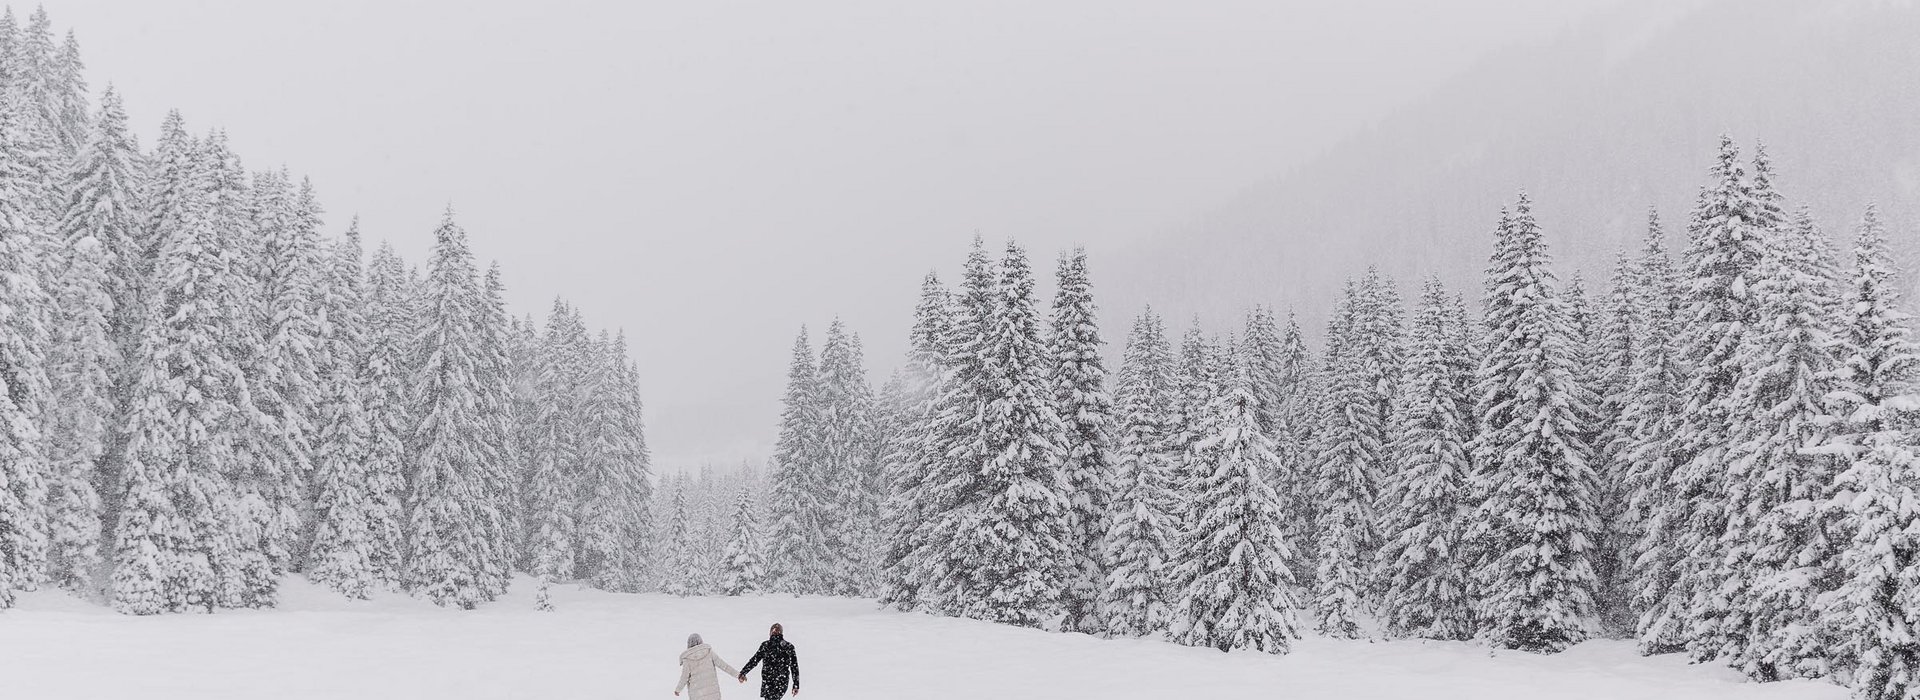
[[203, 392], [1715, 455]]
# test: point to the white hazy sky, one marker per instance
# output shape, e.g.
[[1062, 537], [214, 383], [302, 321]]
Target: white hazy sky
[[711, 174]]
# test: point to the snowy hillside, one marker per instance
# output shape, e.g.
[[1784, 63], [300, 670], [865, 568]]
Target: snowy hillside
[[1597, 124], [606, 645]]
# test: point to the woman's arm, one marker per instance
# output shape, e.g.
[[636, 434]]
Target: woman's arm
[[722, 663], [686, 674]]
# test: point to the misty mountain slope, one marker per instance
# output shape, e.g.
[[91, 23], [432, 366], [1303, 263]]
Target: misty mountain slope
[[1621, 114]]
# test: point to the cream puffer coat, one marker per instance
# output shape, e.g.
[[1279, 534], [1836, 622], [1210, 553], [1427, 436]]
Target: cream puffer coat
[[697, 673]]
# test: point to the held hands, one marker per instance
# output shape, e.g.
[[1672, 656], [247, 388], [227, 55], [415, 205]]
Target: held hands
[[743, 678]]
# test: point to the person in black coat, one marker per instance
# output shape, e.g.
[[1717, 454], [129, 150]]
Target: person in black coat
[[780, 664]]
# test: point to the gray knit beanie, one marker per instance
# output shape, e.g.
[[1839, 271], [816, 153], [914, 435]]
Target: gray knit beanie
[[693, 640]]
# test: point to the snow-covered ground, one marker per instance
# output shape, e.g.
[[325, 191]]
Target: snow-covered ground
[[600, 645]]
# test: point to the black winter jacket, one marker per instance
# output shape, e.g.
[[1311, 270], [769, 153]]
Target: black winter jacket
[[780, 663]]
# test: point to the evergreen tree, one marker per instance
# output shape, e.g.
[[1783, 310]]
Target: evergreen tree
[[1299, 401], [1727, 236], [176, 545], [106, 199], [1266, 358], [744, 568], [384, 383], [99, 219], [1534, 522], [1647, 462], [493, 389], [845, 462], [797, 542], [627, 480], [1080, 399], [1874, 612], [1618, 346], [1239, 585], [260, 485], [956, 445], [1870, 617], [1019, 539], [342, 553], [1422, 564], [448, 511], [287, 387], [911, 458], [1137, 596], [24, 471], [1351, 447], [1779, 553], [678, 574]]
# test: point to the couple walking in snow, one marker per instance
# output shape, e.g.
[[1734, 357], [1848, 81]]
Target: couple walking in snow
[[699, 668]]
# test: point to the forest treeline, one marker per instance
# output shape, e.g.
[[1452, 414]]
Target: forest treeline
[[204, 393], [1714, 455]]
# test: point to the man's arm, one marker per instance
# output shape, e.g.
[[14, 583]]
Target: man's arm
[[793, 658], [755, 661]]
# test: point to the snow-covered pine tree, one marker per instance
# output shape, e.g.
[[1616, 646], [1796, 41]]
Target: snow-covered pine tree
[[258, 480], [1137, 598], [626, 480], [909, 462], [1727, 241], [955, 446], [797, 554], [677, 560], [1878, 359], [1874, 610], [1299, 403], [1019, 540], [1583, 345], [494, 391], [1870, 618], [1080, 399], [1650, 417], [846, 434], [1264, 353], [47, 89], [526, 364], [175, 541], [286, 377], [384, 383], [100, 222], [1423, 572], [23, 318], [550, 495], [34, 141], [341, 554], [72, 124], [1616, 347], [557, 455], [1239, 588], [1778, 550], [1194, 390], [744, 569], [1350, 449], [448, 523], [106, 195], [1534, 523]]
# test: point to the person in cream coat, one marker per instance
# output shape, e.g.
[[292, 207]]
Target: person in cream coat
[[699, 668]]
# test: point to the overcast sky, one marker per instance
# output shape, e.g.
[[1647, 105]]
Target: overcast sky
[[711, 174]]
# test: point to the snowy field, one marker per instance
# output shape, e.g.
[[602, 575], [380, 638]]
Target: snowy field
[[601, 645]]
